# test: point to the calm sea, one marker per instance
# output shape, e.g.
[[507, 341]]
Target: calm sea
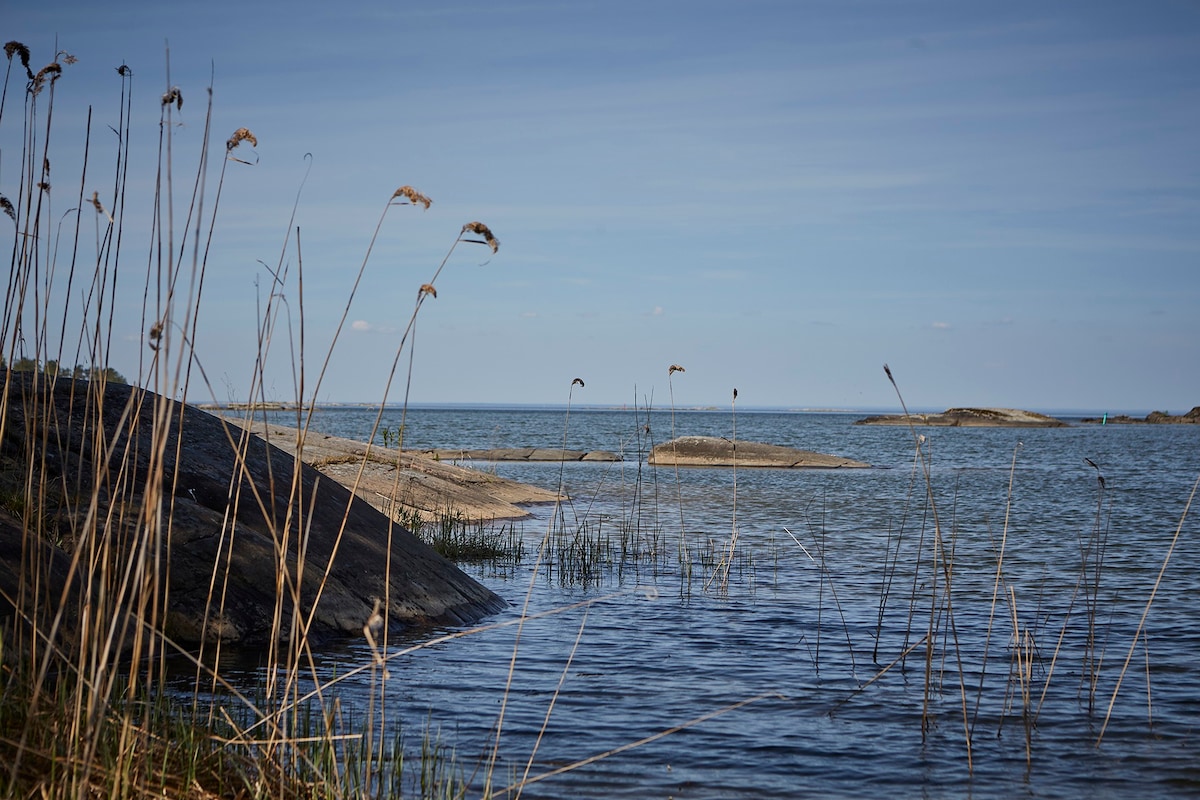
[[974, 621]]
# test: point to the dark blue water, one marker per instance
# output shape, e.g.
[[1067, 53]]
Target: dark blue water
[[834, 576]]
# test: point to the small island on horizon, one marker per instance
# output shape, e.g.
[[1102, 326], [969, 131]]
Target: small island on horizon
[[970, 418], [1153, 418]]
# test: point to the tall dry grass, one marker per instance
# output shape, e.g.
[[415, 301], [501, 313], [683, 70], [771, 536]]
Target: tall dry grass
[[91, 694]]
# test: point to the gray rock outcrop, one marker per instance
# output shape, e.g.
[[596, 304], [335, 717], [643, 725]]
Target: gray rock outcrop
[[237, 527]]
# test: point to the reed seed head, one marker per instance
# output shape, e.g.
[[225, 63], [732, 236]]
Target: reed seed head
[[413, 196], [427, 288], [480, 229], [578, 381], [174, 96], [155, 335], [7, 207], [100, 207], [53, 71], [735, 394], [15, 48], [239, 136], [671, 370]]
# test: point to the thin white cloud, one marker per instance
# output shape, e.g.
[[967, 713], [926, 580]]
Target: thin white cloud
[[370, 327]]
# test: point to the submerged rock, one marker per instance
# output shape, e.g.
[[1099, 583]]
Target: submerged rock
[[241, 533], [716, 451], [970, 418]]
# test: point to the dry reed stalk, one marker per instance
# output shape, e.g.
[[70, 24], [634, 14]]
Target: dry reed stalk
[[1023, 652], [987, 639], [691, 723], [1141, 626], [938, 550], [684, 557], [562, 679], [723, 566], [512, 664]]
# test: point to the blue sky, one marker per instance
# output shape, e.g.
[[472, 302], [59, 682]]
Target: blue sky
[[1000, 200]]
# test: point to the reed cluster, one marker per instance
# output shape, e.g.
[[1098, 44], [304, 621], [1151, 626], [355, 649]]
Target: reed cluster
[[90, 697]]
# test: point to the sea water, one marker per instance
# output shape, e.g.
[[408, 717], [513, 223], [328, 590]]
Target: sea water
[[985, 612]]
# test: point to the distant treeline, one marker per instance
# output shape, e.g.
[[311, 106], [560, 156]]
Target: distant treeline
[[53, 368]]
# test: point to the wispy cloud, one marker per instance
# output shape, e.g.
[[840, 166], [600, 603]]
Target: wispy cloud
[[369, 327]]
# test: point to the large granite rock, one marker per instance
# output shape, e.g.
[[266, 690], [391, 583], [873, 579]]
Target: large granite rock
[[232, 509], [716, 451], [970, 418]]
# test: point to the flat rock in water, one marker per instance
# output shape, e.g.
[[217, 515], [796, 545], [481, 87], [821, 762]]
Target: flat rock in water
[[970, 418], [520, 454], [716, 451], [238, 510]]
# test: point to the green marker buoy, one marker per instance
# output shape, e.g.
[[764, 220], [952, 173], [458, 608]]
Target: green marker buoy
[[1104, 421]]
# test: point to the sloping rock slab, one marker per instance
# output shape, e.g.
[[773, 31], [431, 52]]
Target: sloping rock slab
[[716, 451], [233, 502], [970, 418], [425, 485], [521, 454]]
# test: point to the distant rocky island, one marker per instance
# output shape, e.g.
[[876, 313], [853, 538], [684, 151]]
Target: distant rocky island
[[970, 418], [1153, 418]]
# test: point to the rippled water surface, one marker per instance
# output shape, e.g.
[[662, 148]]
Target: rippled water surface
[[830, 661]]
